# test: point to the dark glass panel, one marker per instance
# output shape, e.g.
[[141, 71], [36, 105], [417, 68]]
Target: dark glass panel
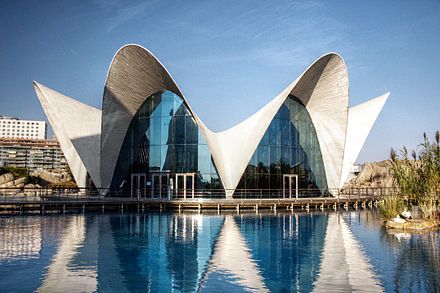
[[263, 181], [294, 140], [155, 153], [191, 158], [163, 156], [263, 159], [180, 158], [205, 180], [215, 181], [191, 129], [285, 132], [178, 130], [275, 154], [285, 154], [274, 132], [283, 113]]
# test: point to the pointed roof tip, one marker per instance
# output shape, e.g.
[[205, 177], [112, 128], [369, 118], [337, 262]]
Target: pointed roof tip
[[35, 83], [385, 95]]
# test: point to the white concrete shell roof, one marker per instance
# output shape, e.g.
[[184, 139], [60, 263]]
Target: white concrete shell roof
[[77, 128], [135, 74]]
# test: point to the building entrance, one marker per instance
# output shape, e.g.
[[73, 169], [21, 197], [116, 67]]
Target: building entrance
[[290, 185], [138, 185], [185, 185], [161, 185]]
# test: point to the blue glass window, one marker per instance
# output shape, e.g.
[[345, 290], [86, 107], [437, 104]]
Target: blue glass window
[[293, 149], [164, 137]]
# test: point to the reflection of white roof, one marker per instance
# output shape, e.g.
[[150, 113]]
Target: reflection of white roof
[[232, 257], [135, 74], [60, 277], [344, 267]]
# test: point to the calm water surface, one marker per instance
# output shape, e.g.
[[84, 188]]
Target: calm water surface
[[348, 251]]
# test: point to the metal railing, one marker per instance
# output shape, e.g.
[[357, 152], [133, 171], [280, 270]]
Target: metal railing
[[10, 193]]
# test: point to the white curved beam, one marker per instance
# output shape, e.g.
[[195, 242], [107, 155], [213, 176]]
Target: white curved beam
[[77, 128], [134, 75], [360, 121], [323, 89]]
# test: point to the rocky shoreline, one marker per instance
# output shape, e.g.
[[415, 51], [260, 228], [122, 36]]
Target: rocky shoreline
[[412, 225], [37, 179]]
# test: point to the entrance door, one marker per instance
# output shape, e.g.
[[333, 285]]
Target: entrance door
[[290, 186], [160, 185], [185, 185], [138, 185]]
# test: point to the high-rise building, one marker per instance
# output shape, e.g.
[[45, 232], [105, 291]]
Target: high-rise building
[[11, 127]]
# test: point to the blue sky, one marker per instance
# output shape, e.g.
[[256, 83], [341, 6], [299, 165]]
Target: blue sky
[[239, 53]]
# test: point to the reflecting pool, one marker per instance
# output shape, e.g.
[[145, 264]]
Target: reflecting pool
[[170, 252]]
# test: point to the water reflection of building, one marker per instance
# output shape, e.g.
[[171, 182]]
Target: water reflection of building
[[287, 248], [232, 263], [69, 271], [192, 252], [344, 266], [20, 238]]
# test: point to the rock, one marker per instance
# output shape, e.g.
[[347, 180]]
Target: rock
[[398, 220], [20, 182], [51, 178], [375, 174], [414, 225], [5, 178]]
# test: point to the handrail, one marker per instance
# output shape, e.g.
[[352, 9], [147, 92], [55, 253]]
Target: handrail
[[10, 193]]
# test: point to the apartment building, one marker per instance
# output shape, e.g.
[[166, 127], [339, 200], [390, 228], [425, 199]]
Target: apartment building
[[32, 154], [11, 127]]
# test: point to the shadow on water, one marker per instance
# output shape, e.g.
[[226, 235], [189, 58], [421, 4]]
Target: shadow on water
[[187, 252]]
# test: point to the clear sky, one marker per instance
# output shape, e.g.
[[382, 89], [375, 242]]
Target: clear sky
[[231, 57]]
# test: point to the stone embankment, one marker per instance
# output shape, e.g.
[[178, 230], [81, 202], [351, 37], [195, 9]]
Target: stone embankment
[[373, 175], [412, 225], [37, 179]]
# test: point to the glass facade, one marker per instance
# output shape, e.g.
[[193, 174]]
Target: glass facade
[[289, 146], [165, 151]]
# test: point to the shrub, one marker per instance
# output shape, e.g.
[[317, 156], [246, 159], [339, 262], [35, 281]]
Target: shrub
[[16, 171], [418, 176]]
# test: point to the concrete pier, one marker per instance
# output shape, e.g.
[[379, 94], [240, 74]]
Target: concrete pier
[[62, 205]]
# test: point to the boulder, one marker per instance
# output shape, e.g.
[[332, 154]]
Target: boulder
[[44, 177], [375, 174], [5, 178]]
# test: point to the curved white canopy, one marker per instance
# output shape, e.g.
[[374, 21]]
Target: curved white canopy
[[135, 74]]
